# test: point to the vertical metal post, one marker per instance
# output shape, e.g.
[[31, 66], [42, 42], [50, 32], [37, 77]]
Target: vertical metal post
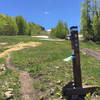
[[76, 54]]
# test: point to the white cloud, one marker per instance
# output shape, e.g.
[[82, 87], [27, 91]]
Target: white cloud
[[46, 12]]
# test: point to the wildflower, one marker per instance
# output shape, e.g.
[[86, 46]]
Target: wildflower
[[88, 94], [83, 81], [14, 84], [59, 82], [41, 97], [59, 94]]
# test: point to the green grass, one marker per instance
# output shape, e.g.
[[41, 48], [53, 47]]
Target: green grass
[[9, 80], [90, 70], [90, 66], [11, 40], [41, 87], [91, 45], [2, 60], [47, 60]]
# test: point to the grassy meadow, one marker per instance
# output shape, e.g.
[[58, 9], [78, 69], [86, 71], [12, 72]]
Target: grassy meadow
[[45, 63]]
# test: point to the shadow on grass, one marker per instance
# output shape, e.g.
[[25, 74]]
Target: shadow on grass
[[69, 86]]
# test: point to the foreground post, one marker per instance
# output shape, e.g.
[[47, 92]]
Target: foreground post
[[76, 54], [75, 90]]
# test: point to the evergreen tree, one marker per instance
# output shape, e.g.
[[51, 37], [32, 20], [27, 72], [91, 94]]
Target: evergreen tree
[[90, 20], [96, 27]]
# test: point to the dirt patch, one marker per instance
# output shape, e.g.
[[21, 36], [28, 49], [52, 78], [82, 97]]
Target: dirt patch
[[3, 43], [27, 90], [19, 46], [10, 65], [93, 53]]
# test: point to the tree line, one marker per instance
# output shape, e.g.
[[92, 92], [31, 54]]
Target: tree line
[[90, 20], [19, 26], [60, 31]]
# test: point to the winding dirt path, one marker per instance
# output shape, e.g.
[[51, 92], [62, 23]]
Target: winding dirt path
[[93, 53], [19, 46], [10, 65], [27, 91]]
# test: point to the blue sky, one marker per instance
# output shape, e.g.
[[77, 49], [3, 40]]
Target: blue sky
[[44, 12]]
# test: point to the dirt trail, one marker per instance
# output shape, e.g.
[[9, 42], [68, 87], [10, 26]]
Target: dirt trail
[[19, 46], [10, 65], [3, 43], [27, 91], [93, 53]]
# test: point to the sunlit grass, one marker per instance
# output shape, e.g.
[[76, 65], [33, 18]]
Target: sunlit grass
[[47, 60]]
